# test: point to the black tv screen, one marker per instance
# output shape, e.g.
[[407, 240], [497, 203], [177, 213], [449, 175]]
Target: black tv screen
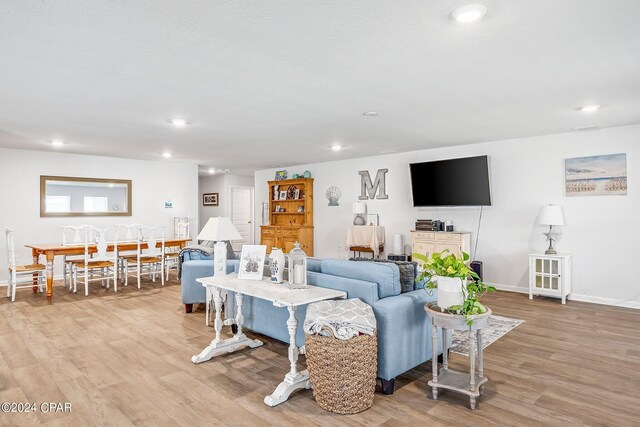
[[453, 182]]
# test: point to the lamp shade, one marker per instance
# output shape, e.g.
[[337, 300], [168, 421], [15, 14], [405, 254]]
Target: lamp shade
[[358, 208], [219, 228], [551, 215]]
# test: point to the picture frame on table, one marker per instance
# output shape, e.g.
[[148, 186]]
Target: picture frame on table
[[283, 195], [252, 259], [372, 219], [211, 199]]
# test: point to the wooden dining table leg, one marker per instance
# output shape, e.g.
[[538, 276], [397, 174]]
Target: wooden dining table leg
[[50, 257], [36, 260]]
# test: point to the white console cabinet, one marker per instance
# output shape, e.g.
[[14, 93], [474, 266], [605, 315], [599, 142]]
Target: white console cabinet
[[550, 275], [429, 242]]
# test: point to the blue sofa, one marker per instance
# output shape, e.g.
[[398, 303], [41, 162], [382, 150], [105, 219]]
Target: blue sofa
[[404, 332], [196, 265]]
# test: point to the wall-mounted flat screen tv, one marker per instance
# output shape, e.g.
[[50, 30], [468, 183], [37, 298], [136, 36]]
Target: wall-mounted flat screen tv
[[453, 182]]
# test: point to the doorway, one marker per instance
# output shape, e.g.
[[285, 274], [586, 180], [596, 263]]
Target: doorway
[[241, 213]]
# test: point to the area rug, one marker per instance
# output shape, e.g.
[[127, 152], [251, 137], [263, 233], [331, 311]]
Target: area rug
[[497, 327]]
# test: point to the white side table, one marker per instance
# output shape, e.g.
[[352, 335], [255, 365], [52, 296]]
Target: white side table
[[280, 296], [550, 275], [472, 383]]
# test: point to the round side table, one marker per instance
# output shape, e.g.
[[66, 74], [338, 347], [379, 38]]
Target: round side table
[[472, 383]]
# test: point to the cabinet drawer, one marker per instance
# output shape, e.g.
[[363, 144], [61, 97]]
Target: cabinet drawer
[[421, 235], [289, 233], [268, 231], [446, 237]]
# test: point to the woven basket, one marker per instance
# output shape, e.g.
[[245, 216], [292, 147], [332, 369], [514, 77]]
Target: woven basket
[[343, 372]]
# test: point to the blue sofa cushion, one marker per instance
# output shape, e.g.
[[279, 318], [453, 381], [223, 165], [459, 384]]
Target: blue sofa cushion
[[366, 291], [387, 276], [408, 271]]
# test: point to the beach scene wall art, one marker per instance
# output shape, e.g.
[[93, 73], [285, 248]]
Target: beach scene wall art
[[596, 175]]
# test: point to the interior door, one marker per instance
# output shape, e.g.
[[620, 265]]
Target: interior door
[[242, 214]]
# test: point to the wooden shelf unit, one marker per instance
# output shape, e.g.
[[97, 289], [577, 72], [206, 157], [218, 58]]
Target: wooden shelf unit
[[286, 228]]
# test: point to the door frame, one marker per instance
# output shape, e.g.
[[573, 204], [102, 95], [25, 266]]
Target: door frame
[[252, 229]]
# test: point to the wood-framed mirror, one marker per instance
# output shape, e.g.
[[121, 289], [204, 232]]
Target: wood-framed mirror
[[75, 196]]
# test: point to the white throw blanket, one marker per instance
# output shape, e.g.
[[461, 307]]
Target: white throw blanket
[[342, 319]]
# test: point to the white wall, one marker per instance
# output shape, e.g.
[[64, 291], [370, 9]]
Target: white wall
[[602, 232], [153, 184], [220, 184]]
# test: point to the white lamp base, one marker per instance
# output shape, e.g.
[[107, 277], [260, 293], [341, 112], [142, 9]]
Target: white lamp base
[[220, 259]]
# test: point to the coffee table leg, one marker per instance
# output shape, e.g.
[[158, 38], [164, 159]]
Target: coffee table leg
[[219, 346], [472, 368], [480, 358], [294, 380]]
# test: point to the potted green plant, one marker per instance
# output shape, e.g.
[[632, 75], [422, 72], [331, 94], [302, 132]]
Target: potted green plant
[[459, 287]]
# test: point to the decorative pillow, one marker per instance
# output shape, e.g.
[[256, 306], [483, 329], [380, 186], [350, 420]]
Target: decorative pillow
[[408, 272]]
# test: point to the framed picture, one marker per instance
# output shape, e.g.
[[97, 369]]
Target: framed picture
[[280, 175], [276, 193], [283, 195], [210, 199], [372, 219], [252, 260], [297, 194], [596, 175]]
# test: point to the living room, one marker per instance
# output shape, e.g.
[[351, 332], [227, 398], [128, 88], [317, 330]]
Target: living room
[[264, 261]]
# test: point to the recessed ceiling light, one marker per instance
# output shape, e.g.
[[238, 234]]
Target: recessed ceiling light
[[166, 155], [211, 171], [370, 113], [336, 147], [590, 108], [469, 13], [57, 143], [179, 123]]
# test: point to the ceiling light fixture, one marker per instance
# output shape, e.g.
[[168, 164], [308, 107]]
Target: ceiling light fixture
[[336, 147], [179, 123], [370, 113], [592, 108], [166, 155], [57, 143], [469, 13], [212, 171]]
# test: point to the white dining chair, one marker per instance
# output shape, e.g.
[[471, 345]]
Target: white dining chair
[[128, 234], [172, 255], [71, 236], [148, 261], [102, 261], [21, 273]]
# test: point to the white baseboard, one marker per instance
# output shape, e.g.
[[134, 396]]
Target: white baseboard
[[574, 297]]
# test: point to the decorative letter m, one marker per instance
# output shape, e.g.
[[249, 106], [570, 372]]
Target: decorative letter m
[[368, 190]]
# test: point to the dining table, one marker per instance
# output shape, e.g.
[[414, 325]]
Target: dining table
[[52, 250]]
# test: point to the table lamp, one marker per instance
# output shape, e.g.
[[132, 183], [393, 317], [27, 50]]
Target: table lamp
[[219, 229], [551, 215], [359, 209]]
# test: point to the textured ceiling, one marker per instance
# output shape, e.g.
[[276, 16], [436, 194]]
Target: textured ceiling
[[270, 83]]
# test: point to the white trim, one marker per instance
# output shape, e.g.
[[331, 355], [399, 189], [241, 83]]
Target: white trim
[[574, 297]]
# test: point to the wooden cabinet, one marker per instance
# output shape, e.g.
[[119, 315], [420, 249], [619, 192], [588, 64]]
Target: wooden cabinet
[[550, 275], [428, 242], [290, 215]]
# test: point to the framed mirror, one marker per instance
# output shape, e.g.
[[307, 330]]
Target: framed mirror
[[74, 196]]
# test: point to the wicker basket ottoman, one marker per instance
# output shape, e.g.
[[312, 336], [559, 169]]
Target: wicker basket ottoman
[[343, 372]]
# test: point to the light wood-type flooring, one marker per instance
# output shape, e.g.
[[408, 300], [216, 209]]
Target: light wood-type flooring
[[123, 359]]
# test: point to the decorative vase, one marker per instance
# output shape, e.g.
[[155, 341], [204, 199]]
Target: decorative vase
[[450, 291], [276, 264]]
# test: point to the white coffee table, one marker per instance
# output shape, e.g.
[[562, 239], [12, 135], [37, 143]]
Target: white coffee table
[[281, 296]]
